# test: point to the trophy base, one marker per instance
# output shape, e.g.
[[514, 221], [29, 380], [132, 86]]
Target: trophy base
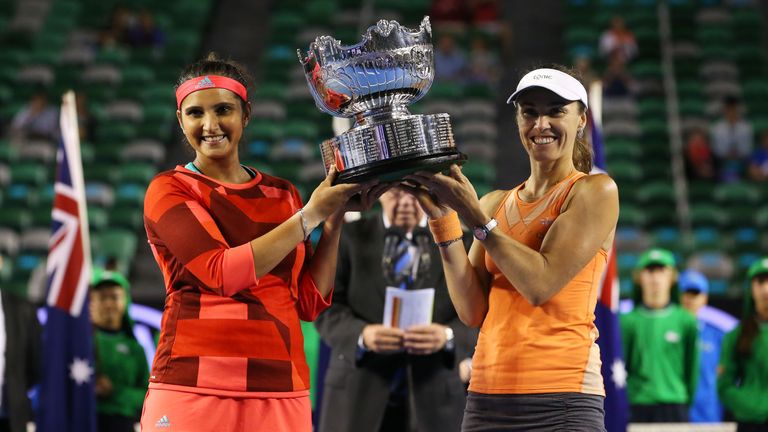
[[394, 169], [387, 147]]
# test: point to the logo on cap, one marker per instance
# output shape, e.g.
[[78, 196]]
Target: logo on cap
[[541, 76], [204, 83]]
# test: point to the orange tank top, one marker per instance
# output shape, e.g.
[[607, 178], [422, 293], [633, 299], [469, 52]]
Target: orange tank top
[[550, 348]]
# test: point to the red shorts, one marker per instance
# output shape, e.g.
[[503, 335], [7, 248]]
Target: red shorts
[[183, 411]]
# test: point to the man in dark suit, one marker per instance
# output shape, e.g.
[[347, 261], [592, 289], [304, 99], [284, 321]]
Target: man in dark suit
[[389, 379]]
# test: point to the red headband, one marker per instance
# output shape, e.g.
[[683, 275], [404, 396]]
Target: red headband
[[209, 81]]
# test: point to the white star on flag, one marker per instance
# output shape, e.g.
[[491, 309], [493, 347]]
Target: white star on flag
[[619, 373], [80, 370]]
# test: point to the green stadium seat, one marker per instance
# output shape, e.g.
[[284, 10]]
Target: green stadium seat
[[761, 218], [263, 130], [98, 218], [301, 129], [136, 172], [737, 193], [29, 173], [126, 217], [707, 238], [707, 215], [657, 193], [114, 244], [130, 195], [41, 215], [15, 218], [631, 216], [745, 239], [625, 172]]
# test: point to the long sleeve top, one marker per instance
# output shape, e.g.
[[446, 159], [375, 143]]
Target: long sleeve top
[[224, 331]]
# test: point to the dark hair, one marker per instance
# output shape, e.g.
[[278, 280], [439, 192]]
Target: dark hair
[[731, 100], [750, 324], [213, 65], [750, 328], [583, 154]]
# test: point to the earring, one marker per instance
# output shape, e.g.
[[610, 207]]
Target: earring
[[580, 133]]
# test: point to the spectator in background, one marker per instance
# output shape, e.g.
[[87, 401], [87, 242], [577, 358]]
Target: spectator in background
[[732, 141], [758, 162], [384, 378], [450, 61], [706, 407], [660, 344], [143, 32], [37, 120], [23, 356], [450, 13], [618, 41], [86, 122], [583, 64], [484, 14], [698, 156], [122, 372], [115, 34], [743, 372], [617, 81], [483, 63]]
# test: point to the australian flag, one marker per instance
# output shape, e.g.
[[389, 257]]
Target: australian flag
[[607, 310], [67, 399]]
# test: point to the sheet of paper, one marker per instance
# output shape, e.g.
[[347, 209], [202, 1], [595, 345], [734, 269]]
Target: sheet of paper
[[404, 309]]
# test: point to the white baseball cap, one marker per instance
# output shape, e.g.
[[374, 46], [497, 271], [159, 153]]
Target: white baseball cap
[[560, 83]]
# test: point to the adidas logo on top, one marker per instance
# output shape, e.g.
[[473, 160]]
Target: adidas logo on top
[[205, 82], [163, 422]]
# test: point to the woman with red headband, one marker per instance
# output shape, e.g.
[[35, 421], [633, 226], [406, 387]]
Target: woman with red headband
[[232, 243]]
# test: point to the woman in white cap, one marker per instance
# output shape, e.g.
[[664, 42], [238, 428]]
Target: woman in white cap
[[532, 276]]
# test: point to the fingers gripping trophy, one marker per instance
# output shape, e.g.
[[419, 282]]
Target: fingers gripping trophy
[[374, 81]]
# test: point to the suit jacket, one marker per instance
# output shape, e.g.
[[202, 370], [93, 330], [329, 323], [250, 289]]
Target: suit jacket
[[357, 389]]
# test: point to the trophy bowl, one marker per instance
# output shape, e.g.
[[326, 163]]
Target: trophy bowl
[[373, 81]]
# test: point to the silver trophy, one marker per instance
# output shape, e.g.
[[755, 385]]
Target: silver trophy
[[373, 81]]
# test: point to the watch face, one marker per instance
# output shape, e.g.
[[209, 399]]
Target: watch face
[[480, 233]]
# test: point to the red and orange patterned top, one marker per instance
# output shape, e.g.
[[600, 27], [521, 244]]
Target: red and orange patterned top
[[224, 331]]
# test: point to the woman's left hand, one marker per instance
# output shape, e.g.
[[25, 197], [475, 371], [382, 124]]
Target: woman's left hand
[[361, 201]]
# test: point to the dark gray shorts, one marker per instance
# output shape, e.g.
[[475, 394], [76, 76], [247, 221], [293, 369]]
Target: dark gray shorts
[[571, 412]]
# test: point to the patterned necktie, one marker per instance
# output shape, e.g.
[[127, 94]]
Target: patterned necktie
[[404, 264]]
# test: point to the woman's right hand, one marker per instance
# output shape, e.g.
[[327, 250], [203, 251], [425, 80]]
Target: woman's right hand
[[431, 204], [328, 198]]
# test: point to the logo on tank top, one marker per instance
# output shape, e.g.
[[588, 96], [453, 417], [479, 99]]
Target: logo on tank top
[[546, 221]]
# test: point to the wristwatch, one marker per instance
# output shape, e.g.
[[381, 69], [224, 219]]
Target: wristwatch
[[481, 232], [449, 344]]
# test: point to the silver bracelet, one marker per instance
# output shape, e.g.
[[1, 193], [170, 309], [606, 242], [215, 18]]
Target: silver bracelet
[[304, 223]]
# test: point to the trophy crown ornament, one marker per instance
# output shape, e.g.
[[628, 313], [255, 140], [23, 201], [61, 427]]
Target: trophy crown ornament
[[391, 65], [374, 81]]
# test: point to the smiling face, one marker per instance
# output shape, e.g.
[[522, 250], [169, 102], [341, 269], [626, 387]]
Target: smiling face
[[213, 122], [548, 124]]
